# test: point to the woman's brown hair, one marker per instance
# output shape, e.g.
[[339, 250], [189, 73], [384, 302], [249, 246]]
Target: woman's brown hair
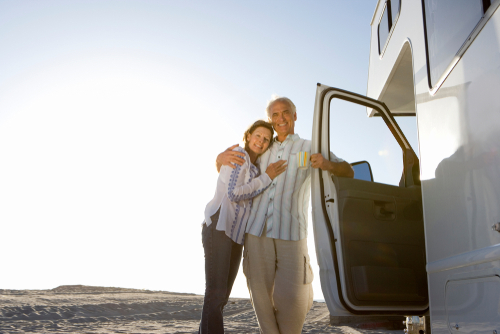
[[251, 129]]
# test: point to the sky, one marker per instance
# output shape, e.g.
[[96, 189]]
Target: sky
[[112, 114]]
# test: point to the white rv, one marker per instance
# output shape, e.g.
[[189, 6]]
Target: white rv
[[429, 244]]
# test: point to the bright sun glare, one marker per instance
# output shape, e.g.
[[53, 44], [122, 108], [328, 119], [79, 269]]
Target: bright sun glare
[[96, 160]]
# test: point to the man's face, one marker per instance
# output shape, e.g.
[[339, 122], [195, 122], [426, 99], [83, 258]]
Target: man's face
[[282, 119]]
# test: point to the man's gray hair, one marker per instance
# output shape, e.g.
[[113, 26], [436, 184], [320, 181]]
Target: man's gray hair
[[275, 98]]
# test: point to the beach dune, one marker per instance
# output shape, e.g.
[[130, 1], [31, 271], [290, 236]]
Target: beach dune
[[90, 309]]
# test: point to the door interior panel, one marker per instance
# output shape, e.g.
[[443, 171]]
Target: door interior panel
[[382, 240]]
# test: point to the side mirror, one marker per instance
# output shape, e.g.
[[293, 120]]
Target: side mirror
[[362, 171]]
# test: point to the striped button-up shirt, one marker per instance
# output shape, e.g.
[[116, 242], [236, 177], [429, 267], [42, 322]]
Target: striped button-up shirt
[[235, 191], [283, 207]]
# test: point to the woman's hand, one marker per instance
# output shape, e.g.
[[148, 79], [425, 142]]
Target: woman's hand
[[276, 168]]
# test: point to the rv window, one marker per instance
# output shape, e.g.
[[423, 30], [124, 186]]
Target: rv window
[[448, 25], [383, 30], [387, 22], [394, 10], [486, 5]]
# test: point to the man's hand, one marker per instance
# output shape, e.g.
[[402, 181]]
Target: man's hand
[[276, 168], [343, 168], [318, 161], [228, 157]]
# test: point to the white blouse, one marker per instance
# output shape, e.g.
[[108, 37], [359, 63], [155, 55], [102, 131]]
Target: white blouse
[[235, 191]]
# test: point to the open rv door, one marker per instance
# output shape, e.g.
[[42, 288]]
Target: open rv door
[[369, 236]]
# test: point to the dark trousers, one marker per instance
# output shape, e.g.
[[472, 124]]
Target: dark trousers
[[222, 261]]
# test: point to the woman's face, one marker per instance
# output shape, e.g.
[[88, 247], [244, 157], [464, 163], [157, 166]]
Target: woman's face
[[259, 140]]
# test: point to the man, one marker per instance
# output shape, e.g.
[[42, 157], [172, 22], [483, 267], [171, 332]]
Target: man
[[276, 260]]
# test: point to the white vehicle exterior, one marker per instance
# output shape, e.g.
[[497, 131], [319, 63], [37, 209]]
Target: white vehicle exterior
[[440, 61]]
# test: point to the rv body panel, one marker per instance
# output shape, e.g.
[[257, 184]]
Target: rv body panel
[[459, 141], [459, 136], [465, 299]]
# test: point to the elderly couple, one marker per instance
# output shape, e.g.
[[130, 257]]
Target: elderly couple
[[262, 201]]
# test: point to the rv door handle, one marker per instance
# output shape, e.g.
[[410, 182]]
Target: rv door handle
[[331, 200], [385, 211]]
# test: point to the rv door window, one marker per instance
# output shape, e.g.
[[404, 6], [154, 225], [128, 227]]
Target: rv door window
[[448, 25], [355, 137]]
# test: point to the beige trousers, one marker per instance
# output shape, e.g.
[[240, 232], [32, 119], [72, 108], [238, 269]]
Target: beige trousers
[[279, 278]]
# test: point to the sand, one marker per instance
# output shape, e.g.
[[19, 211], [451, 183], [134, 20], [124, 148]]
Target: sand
[[87, 309]]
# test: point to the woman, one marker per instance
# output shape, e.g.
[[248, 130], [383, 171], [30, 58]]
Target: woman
[[226, 216]]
